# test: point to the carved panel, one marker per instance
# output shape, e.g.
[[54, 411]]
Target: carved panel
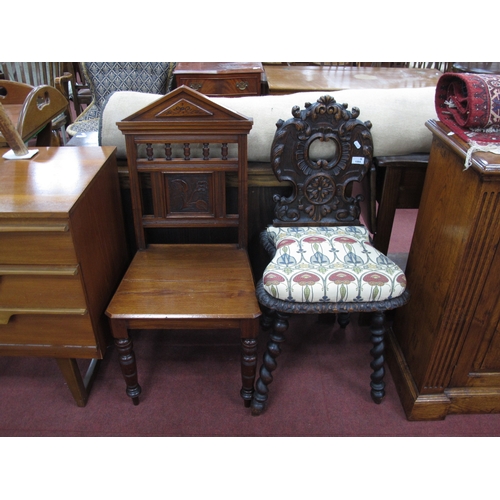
[[189, 193], [183, 107]]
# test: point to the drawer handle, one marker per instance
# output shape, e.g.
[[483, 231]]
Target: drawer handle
[[57, 228], [241, 85], [39, 270], [5, 314], [196, 86]]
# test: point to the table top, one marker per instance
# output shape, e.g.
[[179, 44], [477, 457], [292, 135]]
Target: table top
[[187, 68], [477, 67], [290, 79], [50, 183]]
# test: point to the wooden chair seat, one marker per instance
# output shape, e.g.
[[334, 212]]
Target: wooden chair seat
[[192, 282]]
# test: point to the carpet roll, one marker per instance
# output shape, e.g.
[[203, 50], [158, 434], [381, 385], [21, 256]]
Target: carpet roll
[[469, 104]]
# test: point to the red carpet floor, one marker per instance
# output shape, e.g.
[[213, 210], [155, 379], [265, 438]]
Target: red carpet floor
[[190, 388]]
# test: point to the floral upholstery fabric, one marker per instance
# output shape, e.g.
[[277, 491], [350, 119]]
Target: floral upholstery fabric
[[330, 264]]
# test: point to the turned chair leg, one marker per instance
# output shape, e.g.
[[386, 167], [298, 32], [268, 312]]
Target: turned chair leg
[[344, 319], [249, 334], [128, 366], [248, 369], [280, 325], [126, 357], [377, 330]]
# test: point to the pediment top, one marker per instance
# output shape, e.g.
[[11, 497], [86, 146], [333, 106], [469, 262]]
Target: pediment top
[[183, 108], [182, 104]]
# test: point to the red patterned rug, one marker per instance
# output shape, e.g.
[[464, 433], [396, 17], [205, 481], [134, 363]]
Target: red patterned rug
[[469, 104]]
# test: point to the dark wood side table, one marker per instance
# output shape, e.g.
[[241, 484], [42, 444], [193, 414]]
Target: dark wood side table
[[221, 79], [444, 348], [62, 254]]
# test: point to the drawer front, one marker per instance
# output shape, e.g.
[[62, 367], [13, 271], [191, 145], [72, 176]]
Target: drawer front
[[39, 288], [69, 335], [234, 86], [36, 244]]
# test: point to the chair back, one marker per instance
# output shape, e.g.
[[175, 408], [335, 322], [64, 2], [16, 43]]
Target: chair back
[[104, 78], [185, 154], [322, 151]]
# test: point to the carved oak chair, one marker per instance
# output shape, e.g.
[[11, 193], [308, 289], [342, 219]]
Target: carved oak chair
[[187, 159], [322, 258]]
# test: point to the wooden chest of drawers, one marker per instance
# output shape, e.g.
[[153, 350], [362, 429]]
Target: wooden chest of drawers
[[220, 79], [62, 254]]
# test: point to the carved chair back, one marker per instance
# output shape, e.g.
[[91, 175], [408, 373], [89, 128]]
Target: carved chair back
[[323, 150], [187, 166]]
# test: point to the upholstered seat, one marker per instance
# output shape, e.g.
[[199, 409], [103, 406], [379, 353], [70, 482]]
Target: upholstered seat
[[338, 264]]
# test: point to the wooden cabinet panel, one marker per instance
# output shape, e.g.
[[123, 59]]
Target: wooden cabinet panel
[[36, 243], [67, 333], [40, 288], [219, 87], [445, 342], [221, 79]]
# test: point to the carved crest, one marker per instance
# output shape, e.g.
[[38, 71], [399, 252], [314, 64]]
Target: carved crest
[[183, 107], [321, 150]]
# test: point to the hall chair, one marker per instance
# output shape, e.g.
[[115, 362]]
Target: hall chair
[[322, 259], [187, 160], [104, 78]]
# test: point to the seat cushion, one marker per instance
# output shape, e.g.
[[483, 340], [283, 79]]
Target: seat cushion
[[330, 264]]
